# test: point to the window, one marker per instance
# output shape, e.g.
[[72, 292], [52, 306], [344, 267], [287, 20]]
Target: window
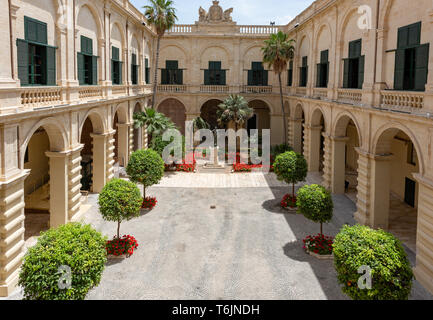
[[215, 76], [116, 67], [411, 154], [146, 71], [257, 76], [290, 74], [353, 77], [26, 156], [411, 59], [303, 79], [134, 69], [36, 59], [323, 70], [87, 63], [172, 75]]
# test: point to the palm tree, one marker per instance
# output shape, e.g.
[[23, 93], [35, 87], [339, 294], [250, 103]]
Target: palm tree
[[156, 123], [277, 52], [162, 15], [234, 109]]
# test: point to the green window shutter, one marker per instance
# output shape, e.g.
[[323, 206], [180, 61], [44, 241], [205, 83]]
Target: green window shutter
[[23, 61], [164, 76], [318, 75], [421, 67], [35, 30], [403, 37], [324, 56], [399, 69], [207, 77], [223, 77], [86, 45], [51, 66], [290, 82], [180, 76], [146, 70], [304, 61], [172, 64], [115, 53], [250, 78], [355, 48], [327, 74], [94, 70], [120, 72], [113, 78], [414, 34], [134, 59], [80, 68], [346, 73], [306, 76], [361, 72], [265, 77]]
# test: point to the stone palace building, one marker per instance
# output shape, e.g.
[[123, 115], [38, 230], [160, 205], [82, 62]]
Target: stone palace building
[[358, 100]]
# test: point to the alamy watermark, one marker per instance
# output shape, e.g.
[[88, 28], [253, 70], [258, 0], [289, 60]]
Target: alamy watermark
[[65, 280], [251, 147], [365, 21]]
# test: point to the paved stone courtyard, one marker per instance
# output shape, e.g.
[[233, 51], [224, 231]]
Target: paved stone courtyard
[[246, 248]]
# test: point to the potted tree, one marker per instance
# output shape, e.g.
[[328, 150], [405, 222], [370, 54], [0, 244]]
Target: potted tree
[[315, 203], [120, 201], [146, 167], [291, 168]]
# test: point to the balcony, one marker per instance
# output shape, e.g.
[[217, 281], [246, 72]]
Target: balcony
[[214, 89], [39, 97], [320, 93], [172, 88], [352, 96], [257, 89], [402, 100]]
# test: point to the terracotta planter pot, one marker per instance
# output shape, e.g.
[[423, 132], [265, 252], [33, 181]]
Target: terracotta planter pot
[[290, 209], [113, 257], [321, 257]]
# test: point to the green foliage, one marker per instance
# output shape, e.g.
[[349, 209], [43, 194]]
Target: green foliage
[[161, 14], [278, 50], [279, 149], [156, 123], [234, 109], [315, 203], [145, 167], [391, 271], [291, 167], [199, 124], [159, 145], [119, 201], [77, 246]]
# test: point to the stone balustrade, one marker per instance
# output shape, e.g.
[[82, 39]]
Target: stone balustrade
[[353, 96], [320, 93], [402, 100], [257, 89], [172, 88], [301, 91], [214, 89], [41, 96]]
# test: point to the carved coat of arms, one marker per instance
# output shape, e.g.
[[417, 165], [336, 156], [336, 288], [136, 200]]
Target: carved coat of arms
[[215, 14]]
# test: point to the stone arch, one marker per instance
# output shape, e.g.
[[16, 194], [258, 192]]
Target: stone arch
[[175, 110], [117, 25], [299, 114], [316, 142], [262, 115], [137, 132], [299, 109], [272, 109], [345, 155], [94, 11], [316, 115], [57, 135], [134, 38], [396, 197], [121, 110], [340, 124], [208, 111], [178, 54], [304, 48], [319, 40], [97, 119], [387, 132], [216, 52], [249, 56]]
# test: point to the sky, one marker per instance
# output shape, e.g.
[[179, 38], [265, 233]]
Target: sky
[[246, 12]]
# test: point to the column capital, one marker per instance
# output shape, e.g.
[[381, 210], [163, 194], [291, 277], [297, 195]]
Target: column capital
[[102, 135], [124, 125], [60, 154], [375, 157], [334, 138], [313, 128]]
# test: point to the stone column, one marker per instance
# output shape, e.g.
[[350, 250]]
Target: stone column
[[295, 134], [313, 151], [59, 196], [327, 168], [362, 214], [7, 67], [74, 182], [277, 133], [123, 143], [11, 231], [335, 163], [99, 161], [109, 167], [62, 75], [369, 49], [424, 244]]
